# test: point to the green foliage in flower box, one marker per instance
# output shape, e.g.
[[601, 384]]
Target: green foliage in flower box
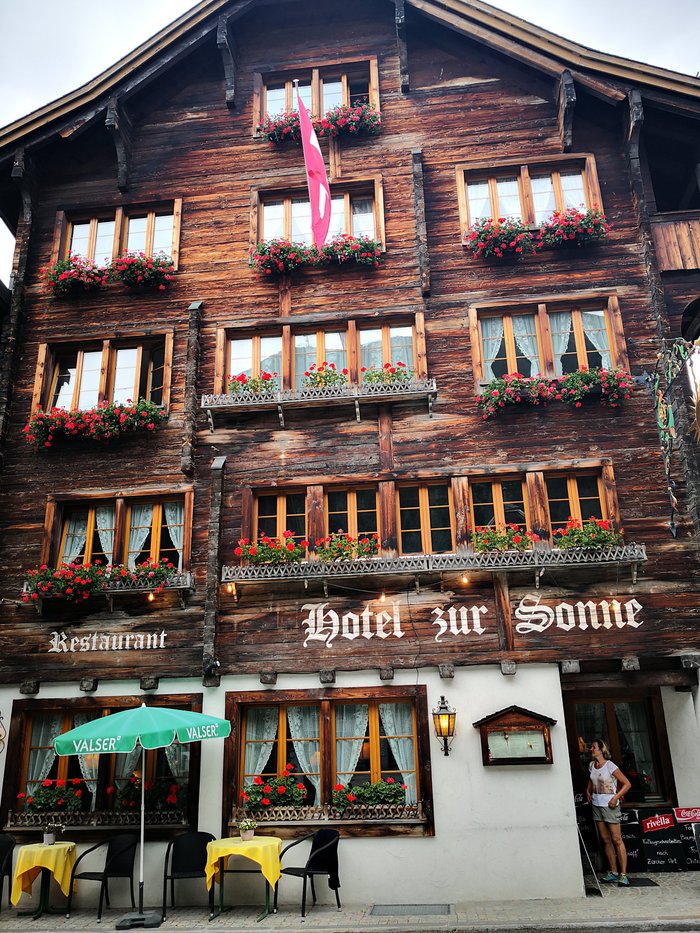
[[389, 791], [594, 533], [341, 546], [71, 276], [501, 538], [137, 270], [105, 422], [263, 793], [266, 550]]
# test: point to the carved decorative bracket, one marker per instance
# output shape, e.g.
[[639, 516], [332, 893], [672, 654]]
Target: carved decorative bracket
[[566, 102], [119, 126], [227, 50], [401, 47]]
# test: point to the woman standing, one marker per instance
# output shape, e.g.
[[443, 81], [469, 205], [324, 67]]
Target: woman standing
[[606, 786]]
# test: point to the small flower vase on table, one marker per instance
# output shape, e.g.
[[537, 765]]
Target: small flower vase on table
[[247, 834], [49, 839]]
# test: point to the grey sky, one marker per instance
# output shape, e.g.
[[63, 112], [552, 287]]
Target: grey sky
[[50, 47]]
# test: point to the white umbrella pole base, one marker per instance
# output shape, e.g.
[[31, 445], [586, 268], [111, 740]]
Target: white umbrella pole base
[[143, 920]]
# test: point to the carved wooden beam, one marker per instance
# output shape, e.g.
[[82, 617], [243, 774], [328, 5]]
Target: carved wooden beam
[[421, 225], [635, 120], [401, 47], [119, 126], [227, 50], [566, 102]]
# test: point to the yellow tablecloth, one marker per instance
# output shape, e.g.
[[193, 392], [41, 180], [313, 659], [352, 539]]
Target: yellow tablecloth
[[265, 850], [58, 859]]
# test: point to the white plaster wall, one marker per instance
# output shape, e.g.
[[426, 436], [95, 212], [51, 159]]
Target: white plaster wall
[[682, 715], [516, 823]]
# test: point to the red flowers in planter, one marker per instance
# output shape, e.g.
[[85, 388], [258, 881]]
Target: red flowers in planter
[[510, 236], [506, 236], [573, 227], [343, 120], [137, 270], [102, 423], [611, 386], [280, 257], [72, 276]]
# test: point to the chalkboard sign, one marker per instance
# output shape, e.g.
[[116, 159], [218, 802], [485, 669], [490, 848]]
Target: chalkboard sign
[[692, 860], [632, 838], [661, 842]]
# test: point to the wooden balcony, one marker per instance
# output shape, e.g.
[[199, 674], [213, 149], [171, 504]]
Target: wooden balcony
[[677, 240], [534, 561], [418, 391]]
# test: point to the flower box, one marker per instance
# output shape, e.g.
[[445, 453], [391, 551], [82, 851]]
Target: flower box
[[278, 256], [137, 270], [573, 227], [105, 422], [329, 813], [609, 387], [72, 276], [511, 238], [91, 818], [78, 582], [343, 120]]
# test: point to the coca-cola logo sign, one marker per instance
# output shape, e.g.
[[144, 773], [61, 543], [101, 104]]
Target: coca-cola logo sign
[[687, 814], [655, 823]]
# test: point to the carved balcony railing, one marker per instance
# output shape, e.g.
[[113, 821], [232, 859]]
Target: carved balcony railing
[[350, 396], [405, 812], [538, 561], [71, 819], [183, 582]]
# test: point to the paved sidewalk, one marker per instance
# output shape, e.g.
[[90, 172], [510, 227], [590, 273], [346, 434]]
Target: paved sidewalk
[[672, 906]]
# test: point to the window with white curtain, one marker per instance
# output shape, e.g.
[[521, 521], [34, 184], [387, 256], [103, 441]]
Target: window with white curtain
[[289, 217]]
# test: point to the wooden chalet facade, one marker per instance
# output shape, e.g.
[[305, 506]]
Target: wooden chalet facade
[[335, 665]]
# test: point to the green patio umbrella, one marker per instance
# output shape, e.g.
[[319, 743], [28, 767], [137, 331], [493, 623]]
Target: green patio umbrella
[[147, 727]]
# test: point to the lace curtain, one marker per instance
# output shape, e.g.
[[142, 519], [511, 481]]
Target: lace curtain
[[598, 335], [139, 529], [175, 517], [76, 533], [89, 764], [104, 518], [560, 326], [42, 754], [178, 758], [491, 339], [350, 720], [304, 722], [525, 335], [261, 732], [397, 719], [125, 764]]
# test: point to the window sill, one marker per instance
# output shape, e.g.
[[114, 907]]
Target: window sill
[[34, 821], [377, 820], [338, 396]]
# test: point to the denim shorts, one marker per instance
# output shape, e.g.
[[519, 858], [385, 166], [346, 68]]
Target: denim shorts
[[606, 814]]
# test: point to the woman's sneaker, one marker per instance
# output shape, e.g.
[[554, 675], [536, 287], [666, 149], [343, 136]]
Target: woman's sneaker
[[623, 881], [612, 878]]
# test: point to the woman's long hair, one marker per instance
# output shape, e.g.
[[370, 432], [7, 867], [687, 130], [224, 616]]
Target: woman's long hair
[[603, 746]]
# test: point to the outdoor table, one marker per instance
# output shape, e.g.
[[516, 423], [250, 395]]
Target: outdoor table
[[265, 850], [57, 860]]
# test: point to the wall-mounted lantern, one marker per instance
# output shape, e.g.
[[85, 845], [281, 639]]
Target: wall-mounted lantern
[[444, 721]]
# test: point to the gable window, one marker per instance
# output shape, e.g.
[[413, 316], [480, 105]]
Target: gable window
[[339, 736], [98, 782], [150, 529], [549, 337], [353, 511], [289, 218], [530, 193], [574, 496], [321, 88], [498, 502], [104, 235], [81, 377], [425, 519]]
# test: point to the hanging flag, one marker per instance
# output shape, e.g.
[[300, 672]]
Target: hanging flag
[[319, 191]]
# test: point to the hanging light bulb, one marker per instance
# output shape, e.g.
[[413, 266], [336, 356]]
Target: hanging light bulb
[[151, 597], [229, 587], [465, 578], [382, 598]]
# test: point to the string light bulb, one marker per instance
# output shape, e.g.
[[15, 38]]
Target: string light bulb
[[229, 587], [151, 597], [382, 598], [465, 578]]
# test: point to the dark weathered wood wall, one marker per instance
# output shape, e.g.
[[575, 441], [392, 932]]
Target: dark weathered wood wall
[[465, 102]]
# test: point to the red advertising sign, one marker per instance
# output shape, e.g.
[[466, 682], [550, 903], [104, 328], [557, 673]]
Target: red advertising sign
[[655, 823], [687, 814]]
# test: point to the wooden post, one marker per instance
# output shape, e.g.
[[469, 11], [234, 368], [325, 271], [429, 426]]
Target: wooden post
[[211, 586], [119, 125], [315, 525], [401, 48], [388, 530], [386, 447], [566, 101], [421, 225], [191, 371], [504, 621], [227, 50], [460, 507]]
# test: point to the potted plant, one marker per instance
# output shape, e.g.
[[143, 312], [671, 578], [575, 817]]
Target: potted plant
[[324, 376], [264, 794], [151, 575], [54, 796], [280, 257], [496, 239], [344, 248], [72, 276], [593, 534], [73, 582], [611, 386], [137, 270], [391, 374], [246, 828], [573, 227], [243, 385], [268, 550], [514, 389], [51, 829], [501, 538], [282, 128], [383, 798], [350, 120], [105, 422], [341, 546]]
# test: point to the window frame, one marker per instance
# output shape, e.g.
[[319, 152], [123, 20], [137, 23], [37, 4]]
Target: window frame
[[366, 186], [541, 307], [524, 169], [573, 494], [237, 702], [50, 351], [284, 74], [19, 739], [424, 510], [351, 327], [282, 511], [497, 500], [56, 505], [66, 219], [352, 507]]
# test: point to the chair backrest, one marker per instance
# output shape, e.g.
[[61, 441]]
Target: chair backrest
[[326, 860], [121, 853], [189, 852], [7, 844]]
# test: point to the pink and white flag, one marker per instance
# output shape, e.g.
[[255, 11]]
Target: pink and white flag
[[319, 190]]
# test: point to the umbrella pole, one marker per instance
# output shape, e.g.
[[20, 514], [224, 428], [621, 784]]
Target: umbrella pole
[[143, 826]]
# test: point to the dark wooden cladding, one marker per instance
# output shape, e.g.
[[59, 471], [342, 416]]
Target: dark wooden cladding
[[467, 103]]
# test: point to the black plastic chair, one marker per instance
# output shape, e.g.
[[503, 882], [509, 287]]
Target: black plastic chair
[[119, 863], [187, 854], [7, 846], [322, 860]]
